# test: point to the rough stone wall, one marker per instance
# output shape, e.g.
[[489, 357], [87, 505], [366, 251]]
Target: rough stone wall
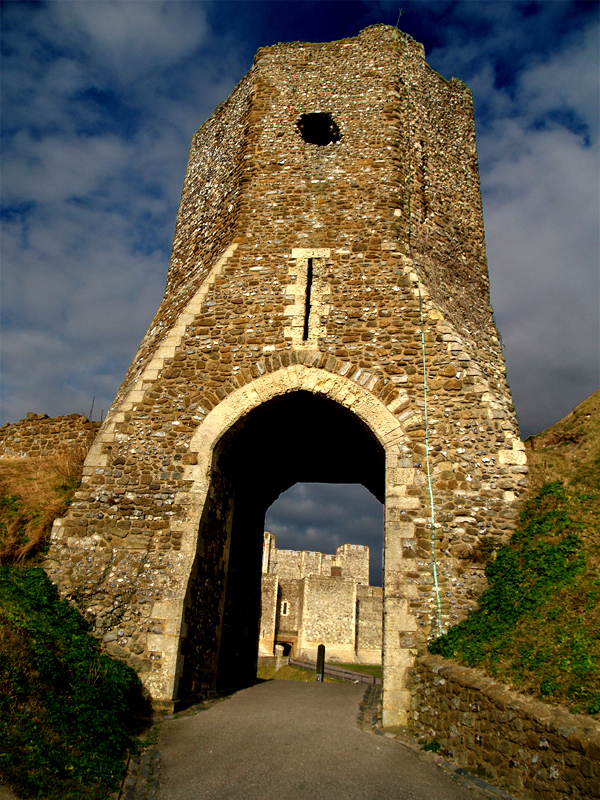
[[531, 748], [287, 564], [354, 561], [311, 563], [290, 592], [39, 435], [268, 614], [268, 551], [207, 219], [328, 617], [369, 623], [389, 220]]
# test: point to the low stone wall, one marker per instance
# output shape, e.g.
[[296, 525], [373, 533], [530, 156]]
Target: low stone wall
[[39, 435], [530, 748]]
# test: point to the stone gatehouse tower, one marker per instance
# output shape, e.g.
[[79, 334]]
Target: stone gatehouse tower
[[326, 317]]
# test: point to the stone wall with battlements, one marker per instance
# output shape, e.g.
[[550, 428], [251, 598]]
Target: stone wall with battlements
[[351, 561], [348, 621], [328, 617], [40, 436]]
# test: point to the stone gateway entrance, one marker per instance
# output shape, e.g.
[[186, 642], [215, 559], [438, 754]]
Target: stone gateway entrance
[[326, 318]]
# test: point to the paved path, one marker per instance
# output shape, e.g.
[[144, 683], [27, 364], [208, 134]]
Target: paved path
[[283, 740]]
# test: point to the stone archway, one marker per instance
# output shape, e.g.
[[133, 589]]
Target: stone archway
[[292, 412], [299, 436]]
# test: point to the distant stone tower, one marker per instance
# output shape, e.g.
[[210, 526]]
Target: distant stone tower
[[326, 318]]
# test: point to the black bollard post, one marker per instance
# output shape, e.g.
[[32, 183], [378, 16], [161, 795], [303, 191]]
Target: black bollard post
[[320, 663]]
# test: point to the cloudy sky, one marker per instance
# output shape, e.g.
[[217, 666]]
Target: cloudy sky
[[100, 99]]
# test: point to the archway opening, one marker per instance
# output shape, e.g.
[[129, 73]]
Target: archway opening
[[323, 516], [296, 437], [322, 574]]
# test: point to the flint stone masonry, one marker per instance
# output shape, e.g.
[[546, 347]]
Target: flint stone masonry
[[351, 559], [328, 616], [288, 347], [40, 436], [531, 748]]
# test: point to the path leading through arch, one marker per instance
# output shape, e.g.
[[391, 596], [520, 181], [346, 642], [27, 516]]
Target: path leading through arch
[[280, 740]]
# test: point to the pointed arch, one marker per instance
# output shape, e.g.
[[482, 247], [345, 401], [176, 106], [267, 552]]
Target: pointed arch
[[386, 429]]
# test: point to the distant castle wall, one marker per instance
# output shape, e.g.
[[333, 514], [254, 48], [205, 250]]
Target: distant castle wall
[[40, 436], [351, 559], [369, 605], [320, 599]]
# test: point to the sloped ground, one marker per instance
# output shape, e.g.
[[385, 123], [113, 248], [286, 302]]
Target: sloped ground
[[538, 624], [33, 493], [67, 711], [538, 628]]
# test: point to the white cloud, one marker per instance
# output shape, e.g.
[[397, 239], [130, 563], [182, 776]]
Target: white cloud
[[536, 111], [540, 184], [128, 40], [58, 168], [567, 82], [100, 100]]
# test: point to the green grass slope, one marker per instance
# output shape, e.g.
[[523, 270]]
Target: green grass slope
[[65, 708], [67, 712], [537, 626]]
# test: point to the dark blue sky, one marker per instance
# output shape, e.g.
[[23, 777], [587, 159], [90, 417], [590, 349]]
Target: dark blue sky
[[101, 98]]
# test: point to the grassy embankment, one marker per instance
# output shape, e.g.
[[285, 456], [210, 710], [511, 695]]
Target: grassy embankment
[[537, 627], [66, 710]]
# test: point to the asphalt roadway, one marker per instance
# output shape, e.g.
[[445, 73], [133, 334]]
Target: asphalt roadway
[[284, 740]]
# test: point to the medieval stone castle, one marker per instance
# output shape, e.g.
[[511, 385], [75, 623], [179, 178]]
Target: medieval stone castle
[[309, 598], [326, 317]]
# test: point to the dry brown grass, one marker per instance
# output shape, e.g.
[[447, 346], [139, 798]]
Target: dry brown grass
[[33, 493], [560, 452]]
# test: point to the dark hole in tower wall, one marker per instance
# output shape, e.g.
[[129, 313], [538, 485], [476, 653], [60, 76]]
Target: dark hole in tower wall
[[319, 129]]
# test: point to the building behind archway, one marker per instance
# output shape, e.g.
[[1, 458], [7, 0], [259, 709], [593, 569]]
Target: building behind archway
[[310, 598], [326, 317]]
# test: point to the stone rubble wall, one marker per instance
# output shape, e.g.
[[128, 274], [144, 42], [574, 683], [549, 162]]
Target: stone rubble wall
[[296, 564], [328, 617], [40, 436], [531, 748], [369, 623], [146, 532], [206, 220], [322, 600], [268, 615], [290, 592], [353, 559]]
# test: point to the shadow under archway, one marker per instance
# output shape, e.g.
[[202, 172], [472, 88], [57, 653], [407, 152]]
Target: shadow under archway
[[296, 437]]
